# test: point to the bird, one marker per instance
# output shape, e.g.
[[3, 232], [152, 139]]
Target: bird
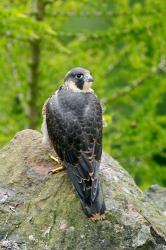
[[72, 124]]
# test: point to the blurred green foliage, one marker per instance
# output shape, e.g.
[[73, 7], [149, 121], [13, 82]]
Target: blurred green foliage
[[122, 42]]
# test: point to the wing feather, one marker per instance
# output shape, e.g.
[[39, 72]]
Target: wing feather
[[76, 136]]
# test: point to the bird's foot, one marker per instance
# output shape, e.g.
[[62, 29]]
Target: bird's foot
[[55, 159], [56, 170]]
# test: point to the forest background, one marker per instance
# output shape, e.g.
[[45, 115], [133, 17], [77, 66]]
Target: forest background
[[123, 43]]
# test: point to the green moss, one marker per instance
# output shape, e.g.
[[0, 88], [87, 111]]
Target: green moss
[[48, 211]]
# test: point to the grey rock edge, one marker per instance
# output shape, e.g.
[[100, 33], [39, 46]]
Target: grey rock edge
[[158, 195], [42, 212]]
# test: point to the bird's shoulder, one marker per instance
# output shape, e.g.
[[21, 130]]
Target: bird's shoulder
[[71, 103]]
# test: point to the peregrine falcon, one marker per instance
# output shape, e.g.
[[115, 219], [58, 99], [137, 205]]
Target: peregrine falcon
[[73, 125]]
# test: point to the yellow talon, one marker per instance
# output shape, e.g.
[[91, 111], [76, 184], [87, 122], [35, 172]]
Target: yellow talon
[[54, 158], [56, 170]]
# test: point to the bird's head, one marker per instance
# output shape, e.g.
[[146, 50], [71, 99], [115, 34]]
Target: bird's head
[[79, 79]]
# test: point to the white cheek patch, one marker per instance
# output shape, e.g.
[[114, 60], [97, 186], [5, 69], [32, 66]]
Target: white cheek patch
[[71, 85], [86, 87]]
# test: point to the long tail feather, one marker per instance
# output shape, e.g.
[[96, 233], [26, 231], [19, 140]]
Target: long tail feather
[[89, 192]]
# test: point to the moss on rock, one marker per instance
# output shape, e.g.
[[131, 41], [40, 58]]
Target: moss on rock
[[39, 211]]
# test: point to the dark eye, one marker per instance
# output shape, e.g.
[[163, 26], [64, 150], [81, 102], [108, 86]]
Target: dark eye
[[79, 76]]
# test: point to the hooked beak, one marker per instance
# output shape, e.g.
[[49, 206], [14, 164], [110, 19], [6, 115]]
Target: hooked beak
[[88, 78]]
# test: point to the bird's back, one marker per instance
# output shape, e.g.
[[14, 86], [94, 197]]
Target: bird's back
[[74, 114], [74, 123]]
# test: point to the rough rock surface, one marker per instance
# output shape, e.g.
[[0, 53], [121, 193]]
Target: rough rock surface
[[158, 195], [42, 212]]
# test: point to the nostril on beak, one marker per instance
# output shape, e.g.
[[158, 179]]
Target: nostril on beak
[[89, 78]]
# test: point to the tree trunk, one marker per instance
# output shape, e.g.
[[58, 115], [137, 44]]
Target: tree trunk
[[35, 50]]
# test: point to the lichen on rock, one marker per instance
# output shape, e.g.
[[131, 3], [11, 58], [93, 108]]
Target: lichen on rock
[[42, 211]]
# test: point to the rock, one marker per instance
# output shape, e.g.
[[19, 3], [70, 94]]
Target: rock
[[9, 244], [158, 195], [41, 211]]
